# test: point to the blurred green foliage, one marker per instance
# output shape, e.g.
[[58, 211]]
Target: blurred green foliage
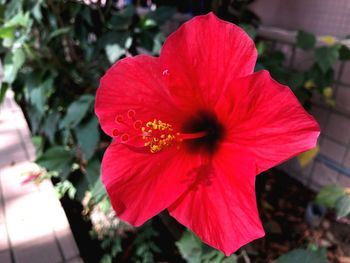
[[312, 254], [305, 81], [53, 55], [335, 197], [195, 251]]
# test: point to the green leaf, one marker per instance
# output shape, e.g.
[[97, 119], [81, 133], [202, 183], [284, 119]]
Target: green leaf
[[215, 256], [302, 256], [57, 158], [38, 144], [344, 53], [36, 11], [320, 251], [18, 58], [122, 19], [307, 157], [158, 43], [105, 205], [34, 119], [85, 13], [249, 29], [273, 59], [37, 99], [146, 39], [342, 206], [161, 14], [113, 52], [81, 186], [98, 191], [65, 136], [12, 8], [7, 32], [65, 187], [190, 247], [193, 250], [305, 40], [19, 20], [329, 195], [326, 57], [38, 95], [12, 63], [261, 47], [50, 125], [3, 89], [77, 111], [295, 80], [114, 44], [93, 171], [231, 259], [57, 32], [320, 78], [88, 136], [106, 259], [258, 67]]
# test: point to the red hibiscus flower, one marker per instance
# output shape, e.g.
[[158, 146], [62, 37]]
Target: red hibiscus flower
[[191, 130]]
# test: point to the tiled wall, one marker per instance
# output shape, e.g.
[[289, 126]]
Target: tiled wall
[[323, 17], [333, 163]]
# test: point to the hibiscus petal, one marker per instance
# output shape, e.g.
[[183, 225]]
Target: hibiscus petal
[[133, 84], [141, 184], [266, 118], [220, 207], [202, 56]]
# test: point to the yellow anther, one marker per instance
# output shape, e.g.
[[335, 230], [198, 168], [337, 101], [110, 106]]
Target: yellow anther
[[157, 135]]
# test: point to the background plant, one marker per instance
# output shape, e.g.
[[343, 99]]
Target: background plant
[[53, 55]]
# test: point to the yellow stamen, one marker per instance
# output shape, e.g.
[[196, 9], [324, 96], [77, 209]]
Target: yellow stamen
[[159, 135]]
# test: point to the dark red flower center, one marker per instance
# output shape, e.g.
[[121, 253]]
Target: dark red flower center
[[207, 123], [203, 131]]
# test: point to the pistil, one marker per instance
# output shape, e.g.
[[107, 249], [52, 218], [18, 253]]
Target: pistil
[[189, 136]]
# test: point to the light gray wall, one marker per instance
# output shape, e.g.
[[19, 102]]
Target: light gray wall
[[322, 17]]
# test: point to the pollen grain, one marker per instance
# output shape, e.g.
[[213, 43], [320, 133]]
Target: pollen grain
[[157, 135]]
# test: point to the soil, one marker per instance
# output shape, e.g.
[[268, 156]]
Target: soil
[[282, 205], [283, 201]]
